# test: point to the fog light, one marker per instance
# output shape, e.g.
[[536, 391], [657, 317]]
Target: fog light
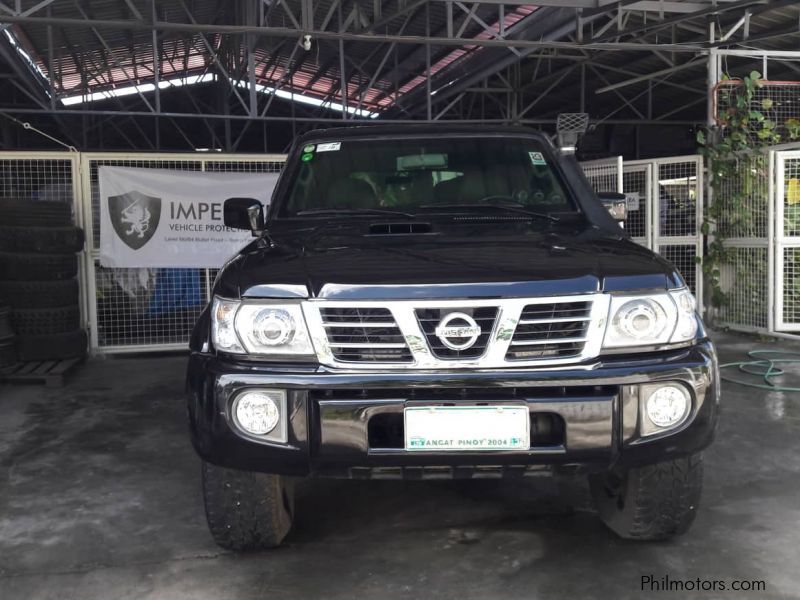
[[258, 412], [667, 405]]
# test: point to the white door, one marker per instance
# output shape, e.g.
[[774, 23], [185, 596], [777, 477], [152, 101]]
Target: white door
[[787, 241]]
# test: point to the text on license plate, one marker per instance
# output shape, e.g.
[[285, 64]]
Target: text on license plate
[[464, 428]]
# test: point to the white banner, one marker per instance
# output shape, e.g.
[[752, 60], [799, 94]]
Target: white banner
[[164, 218]]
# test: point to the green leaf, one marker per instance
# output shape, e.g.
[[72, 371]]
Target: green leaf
[[767, 103], [754, 75], [701, 137]]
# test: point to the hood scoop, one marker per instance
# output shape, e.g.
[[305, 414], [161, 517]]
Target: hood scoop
[[411, 228]]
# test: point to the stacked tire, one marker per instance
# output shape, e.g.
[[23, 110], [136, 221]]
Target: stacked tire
[[38, 270], [8, 351]]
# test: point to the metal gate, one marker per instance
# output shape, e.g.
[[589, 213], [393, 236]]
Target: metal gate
[[787, 240], [139, 310], [605, 174], [677, 215], [637, 185], [665, 204]]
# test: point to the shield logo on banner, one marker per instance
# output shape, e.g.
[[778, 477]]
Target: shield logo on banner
[[135, 217]]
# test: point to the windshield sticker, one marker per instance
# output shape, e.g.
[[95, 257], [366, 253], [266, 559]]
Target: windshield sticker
[[307, 157], [329, 147], [308, 148], [537, 158]]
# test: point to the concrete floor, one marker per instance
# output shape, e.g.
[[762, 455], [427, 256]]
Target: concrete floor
[[100, 498]]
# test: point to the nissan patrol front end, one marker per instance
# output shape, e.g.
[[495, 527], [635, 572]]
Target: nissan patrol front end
[[445, 302]]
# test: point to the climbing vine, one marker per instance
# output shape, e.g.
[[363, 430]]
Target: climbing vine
[[738, 171]]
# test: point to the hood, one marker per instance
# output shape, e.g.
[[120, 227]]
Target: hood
[[462, 262]]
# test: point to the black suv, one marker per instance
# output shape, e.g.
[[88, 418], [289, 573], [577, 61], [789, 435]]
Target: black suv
[[428, 302]]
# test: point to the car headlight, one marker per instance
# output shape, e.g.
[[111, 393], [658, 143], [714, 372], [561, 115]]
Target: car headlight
[[686, 327], [260, 328], [223, 333], [652, 320]]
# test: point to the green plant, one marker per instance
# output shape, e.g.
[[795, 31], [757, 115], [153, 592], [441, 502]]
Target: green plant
[[738, 171]]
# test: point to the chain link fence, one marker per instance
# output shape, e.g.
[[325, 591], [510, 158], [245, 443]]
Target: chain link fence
[[664, 198], [136, 310]]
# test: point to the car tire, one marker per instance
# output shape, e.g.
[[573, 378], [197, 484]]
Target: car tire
[[37, 267], [654, 502], [42, 321], [52, 240], [35, 213], [246, 510], [56, 346], [39, 294]]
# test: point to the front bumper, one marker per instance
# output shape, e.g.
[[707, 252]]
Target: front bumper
[[346, 424]]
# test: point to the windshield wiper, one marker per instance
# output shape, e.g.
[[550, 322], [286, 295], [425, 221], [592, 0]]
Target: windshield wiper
[[354, 211], [491, 202]]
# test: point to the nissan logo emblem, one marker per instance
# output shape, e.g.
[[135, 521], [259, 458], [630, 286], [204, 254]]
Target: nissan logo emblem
[[458, 331]]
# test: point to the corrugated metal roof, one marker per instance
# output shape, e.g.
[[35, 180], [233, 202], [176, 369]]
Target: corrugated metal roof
[[82, 60]]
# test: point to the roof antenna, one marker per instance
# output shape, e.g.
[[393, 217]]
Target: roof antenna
[[569, 129]]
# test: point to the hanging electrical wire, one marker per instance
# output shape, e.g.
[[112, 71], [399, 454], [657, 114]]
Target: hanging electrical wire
[[26, 125]]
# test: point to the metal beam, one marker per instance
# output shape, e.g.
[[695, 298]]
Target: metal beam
[[653, 75], [235, 117], [664, 23], [355, 37]]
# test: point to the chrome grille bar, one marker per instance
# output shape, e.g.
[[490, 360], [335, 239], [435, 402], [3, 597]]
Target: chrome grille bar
[[359, 325], [545, 342], [380, 334]]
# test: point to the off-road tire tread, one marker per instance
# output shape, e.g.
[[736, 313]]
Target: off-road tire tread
[[39, 294], [17, 266], [43, 321], [246, 510], [661, 500], [35, 212], [50, 240]]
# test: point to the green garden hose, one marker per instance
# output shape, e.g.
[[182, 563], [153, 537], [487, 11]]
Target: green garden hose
[[764, 367]]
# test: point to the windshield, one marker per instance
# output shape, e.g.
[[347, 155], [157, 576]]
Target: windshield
[[416, 175]]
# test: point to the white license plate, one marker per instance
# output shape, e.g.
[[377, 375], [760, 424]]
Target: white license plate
[[467, 428]]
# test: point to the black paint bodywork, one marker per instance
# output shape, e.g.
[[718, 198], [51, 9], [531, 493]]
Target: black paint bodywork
[[352, 259]]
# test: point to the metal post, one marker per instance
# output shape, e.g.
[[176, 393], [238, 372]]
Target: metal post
[[342, 78], [429, 101]]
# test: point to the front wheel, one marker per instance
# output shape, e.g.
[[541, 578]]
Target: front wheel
[[247, 510], [654, 502]]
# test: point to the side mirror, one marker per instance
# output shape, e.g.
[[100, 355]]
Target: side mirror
[[244, 213], [615, 203]]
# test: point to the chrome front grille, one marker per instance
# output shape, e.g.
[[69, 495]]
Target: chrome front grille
[[484, 316], [551, 330], [514, 332], [364, 335]]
